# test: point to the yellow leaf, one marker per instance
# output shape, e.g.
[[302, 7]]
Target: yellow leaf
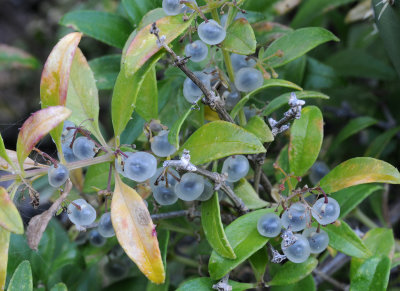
[[135, 231], [9, 215], [4, 242]]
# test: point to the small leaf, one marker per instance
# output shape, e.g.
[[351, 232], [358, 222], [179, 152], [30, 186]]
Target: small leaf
[[306, 137], [135, 231], [240, 38], [291, 273], [267, 31], [205, 284], [83, 98], [28, 163], [377, 146], [213, 228], [359, 171], [137, 9], [349, 198], [267, 84], [59, 287], [144, 45], [246, 192], [9, 215], [105, 70], [22, 278], [297, 43], [173, 136], [259, 261], [257, 126], [243, 236], [283, 100], [125, 95], [306, 284], [12, 57], [4, 243], [354, 126], [345, 240], [106, 27], [3, 153], [147, 99], [372, 275], [36, 126], [221, 139], [97, 177]]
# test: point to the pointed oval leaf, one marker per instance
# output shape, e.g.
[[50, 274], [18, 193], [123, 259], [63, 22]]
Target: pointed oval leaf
[[83, 98], [246, 192], [213, 228], [243, 236], [28, 163], [259, 261], [372, 275], [59, 287], [377, 146], [135, 231], [240, 38], [12, 57], [297, 43], [291, 273], [107, 27], [4, 155], [22, 278], [4, 243], [257, 126], [267, 84], [205, 284], [306, 137], [147, 100], [36, 126], [173, 136], [9, 215], [105, 70], [359, 171], [283, 100], [219, 139], [144, 45], [345, 240]]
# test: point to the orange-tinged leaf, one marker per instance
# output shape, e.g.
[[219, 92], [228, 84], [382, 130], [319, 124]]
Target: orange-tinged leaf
[[359, 171], [144, 45], [36, 126], [4, 242], [12, 155], [135, 231], [9, 215]]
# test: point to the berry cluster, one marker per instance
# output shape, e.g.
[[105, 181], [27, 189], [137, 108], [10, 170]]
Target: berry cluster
[[298, 247]]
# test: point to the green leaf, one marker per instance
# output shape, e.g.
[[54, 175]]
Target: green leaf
[[359, 171], [4, 243], [297, 43], [22, 278], [83, 98], [349, 198], [388, 28], [291, 273], [245, 240], [246, 192], [3, 152], [240, 38], [283, 100], [125, 94], [144, 45], [259, 261], [9, 215], [373, 275], [221, 139], [59, 287], [106, 27], [306, 137], [257, 126], [12, 57], [105, 70], [267, 31], [205, 284], [345, 240], [319, 75], [267, 84], [213, 228], [357, 63], [354, 126], [377, 146], [173, 136], [306, 284], [137, 9], [97, 177], [147, 99]]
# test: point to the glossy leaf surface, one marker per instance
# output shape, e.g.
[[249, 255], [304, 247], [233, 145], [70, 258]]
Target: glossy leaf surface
[[105, 70], [22, 278], [4, 243], [9, 215], [245, 191], [291, 273], [257, 126], [240, 38], [147, 99]]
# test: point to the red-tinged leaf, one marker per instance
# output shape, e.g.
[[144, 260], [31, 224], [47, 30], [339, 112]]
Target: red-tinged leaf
[[135, 231], [12, 57], [12, 155], [36, 126], [359, 171], [4, 242], [144, 45], [9, 215]]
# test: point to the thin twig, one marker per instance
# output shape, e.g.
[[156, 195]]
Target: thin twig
[[331, 280]]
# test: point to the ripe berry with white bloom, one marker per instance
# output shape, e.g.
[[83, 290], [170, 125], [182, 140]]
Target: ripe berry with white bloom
[[57, 176], [67, 134], [236, 167], [191, 91], [96, 239], [140, 166], [83, 148], [299, 251], [160, 145], [197, 51], [190, 187], [172, 7], [248, 79], [211, 32], [162, 194], [318, 240], [82, 215], [105, 227], [241, 61], [207, 192], [326, 213], [269, 225], [296, 217]]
